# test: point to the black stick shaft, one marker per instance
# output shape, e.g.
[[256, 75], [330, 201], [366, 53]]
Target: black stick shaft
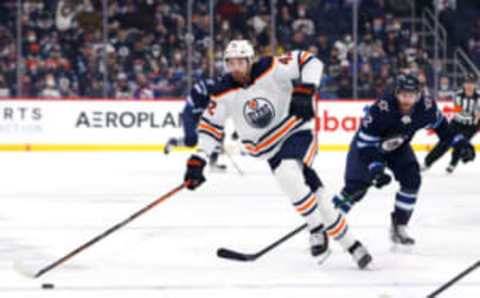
[[108, 232], [454, 280], [239, 256], [235, 165], [280, 241]]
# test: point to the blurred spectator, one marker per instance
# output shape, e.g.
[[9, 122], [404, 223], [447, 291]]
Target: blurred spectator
[[323, 46], [4, 91], [473, 47], [445, 91], [122, 87], [143, 90], [145, 55], [422, 78], [444, 4], [366, 81], [50, 90]]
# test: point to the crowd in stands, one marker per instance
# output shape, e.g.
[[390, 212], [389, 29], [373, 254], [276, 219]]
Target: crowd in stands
[[146, 54]]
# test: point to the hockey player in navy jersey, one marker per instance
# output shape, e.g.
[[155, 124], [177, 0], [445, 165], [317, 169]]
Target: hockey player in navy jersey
[[383, 141], [197, 101], [466, 120], [273, 119]]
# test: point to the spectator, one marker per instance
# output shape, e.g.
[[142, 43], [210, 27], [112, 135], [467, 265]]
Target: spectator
[[122, 87], [365, 81], [147, 47], [422, 78], [50, 90], [445, 92], [143, 90], [4, 91]]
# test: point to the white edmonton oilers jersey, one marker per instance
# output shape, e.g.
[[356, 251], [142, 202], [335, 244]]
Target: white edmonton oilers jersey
[[260, 110]]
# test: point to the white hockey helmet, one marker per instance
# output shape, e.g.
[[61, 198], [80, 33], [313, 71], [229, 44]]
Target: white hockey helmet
[[240, 48]]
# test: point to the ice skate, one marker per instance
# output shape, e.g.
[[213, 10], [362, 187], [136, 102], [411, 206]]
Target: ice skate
[[215, 166], [319, 245], [450, 169], [398, 233], [170, 145], [360, 254]]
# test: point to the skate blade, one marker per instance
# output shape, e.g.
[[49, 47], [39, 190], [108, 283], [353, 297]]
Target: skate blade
[[218, 170], [401, 248], [372, 266], [323, 257]]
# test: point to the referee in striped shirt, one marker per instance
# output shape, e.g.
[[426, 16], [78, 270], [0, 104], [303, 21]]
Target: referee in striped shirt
[[465, 121]]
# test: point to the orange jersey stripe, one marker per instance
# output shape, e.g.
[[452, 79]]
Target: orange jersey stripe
[[311, 152], [304, 57], [286, 128], [338, 229], [304, 90], [308, 204], [217, 96], [213, 130], [266, 71]]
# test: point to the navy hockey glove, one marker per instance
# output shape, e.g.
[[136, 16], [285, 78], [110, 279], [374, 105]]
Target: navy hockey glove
[[379, 177], [302, 101], [464, 150], [194, 175]]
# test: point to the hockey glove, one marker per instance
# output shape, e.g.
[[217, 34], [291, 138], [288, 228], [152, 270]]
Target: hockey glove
[[302, 101], [194, 175], [379, 177], [464, 150]]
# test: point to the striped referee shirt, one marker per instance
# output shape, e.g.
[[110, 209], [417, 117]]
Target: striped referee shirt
[[467, 107]]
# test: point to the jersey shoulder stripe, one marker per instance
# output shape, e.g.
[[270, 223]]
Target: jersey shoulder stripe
[[224, 86], [262, 67], [304, 57]]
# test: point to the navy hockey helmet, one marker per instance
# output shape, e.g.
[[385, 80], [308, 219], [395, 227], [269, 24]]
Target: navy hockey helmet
[[407, 83], [470, 78]]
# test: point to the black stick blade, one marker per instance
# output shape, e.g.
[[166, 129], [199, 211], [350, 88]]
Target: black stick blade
[[233, 255]]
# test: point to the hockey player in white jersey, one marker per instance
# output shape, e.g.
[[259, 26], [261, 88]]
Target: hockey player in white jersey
[[273, 118]]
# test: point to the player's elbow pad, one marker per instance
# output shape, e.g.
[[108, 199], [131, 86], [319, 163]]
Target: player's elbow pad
[[311, 71]]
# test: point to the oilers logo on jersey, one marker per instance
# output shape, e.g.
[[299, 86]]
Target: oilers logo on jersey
[[259, 112]]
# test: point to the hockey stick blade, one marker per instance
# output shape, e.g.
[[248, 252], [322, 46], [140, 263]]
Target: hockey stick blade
[[233, 255], [237, 256], [22, 269]]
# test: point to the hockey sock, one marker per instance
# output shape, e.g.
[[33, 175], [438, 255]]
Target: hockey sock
[[336, 224], [290, 177], [404, 204]]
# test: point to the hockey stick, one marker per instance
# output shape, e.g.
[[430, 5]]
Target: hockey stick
[[238, 256], [234, 163], [86, 245], [230, 254], [454, 280]]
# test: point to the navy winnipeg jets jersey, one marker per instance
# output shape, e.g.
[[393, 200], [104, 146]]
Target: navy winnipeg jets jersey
[[199, 96], [385, 129]]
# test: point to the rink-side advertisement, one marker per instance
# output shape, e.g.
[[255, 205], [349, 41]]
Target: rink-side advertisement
[[146, 125]]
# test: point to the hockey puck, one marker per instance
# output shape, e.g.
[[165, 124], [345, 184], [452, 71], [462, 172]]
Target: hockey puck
[[48, 286]]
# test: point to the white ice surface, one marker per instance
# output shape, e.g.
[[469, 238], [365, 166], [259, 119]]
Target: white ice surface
[[50, 203]]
